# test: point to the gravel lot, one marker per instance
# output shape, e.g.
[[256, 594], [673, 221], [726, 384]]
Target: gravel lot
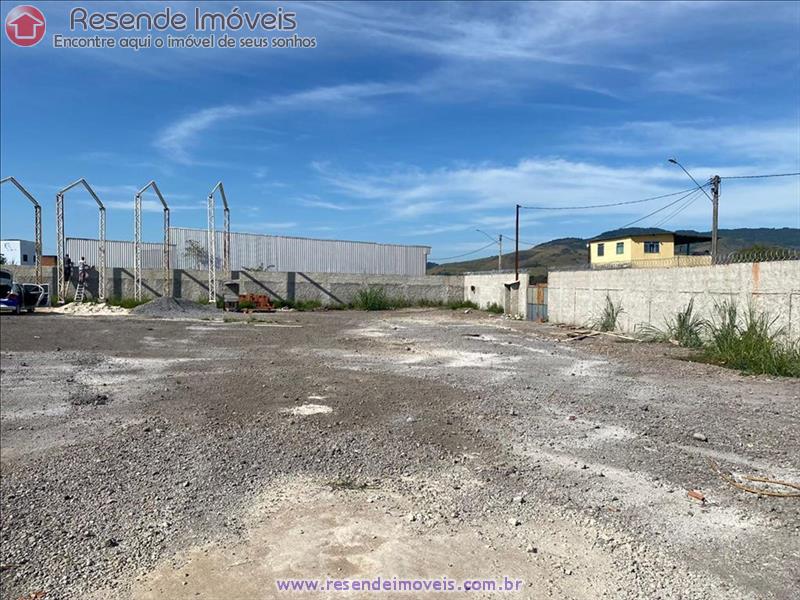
[[150, 458]]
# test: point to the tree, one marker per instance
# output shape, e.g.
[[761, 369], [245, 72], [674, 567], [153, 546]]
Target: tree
[[196, 253]]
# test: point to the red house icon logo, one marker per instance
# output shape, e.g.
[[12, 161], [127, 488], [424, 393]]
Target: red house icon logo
[[25, 25]]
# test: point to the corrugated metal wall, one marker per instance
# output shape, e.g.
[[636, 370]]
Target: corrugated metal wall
[[118, 253], [278, 253]]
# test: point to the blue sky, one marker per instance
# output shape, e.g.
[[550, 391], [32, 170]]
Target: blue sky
[[416, 123]]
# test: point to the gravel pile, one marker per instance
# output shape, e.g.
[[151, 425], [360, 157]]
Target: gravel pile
[[175, 308]]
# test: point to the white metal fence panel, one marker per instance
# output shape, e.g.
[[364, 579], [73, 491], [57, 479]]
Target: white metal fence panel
[[118, 253], [279, 253]]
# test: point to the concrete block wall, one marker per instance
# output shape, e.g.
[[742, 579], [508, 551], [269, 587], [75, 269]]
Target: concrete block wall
[[336, 288], [497, 288], [192, 285], [328, 288], [650, 296]]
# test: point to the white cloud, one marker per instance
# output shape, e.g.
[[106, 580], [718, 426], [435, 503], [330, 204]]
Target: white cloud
[[315, 202], [174, 141], [486, 194], [765, 145], [264, 227]]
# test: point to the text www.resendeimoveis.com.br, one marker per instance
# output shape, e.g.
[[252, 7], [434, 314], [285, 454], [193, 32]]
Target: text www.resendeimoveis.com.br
[[399, 584]]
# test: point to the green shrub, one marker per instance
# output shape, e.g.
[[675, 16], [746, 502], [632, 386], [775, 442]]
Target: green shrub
[[495, 308], [298, 305], [608, 319], [459, 304], [685, 327], [125, 302], [750, 344], [278, 303], [336, 306], [373, 298], [246, 305], [307, 305], [426, 303]]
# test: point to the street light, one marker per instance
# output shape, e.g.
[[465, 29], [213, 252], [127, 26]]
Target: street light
[[714, 205], [498, 241], [675, 162]]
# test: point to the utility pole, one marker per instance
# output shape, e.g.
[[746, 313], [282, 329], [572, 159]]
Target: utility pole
[[499, 242], [500, 254], [714, 197], [516, 249], [715, 181]]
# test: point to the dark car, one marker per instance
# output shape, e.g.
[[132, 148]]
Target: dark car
[[16, 297]]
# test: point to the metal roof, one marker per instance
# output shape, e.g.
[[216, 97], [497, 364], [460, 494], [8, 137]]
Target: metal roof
[[632, 232]]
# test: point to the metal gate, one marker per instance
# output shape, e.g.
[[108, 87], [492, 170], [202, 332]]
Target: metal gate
[[537, 303]]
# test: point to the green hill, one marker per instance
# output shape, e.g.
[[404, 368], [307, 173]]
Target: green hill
[[572, 251]]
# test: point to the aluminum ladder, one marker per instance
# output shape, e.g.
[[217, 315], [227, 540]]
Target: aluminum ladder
[[79, 293]]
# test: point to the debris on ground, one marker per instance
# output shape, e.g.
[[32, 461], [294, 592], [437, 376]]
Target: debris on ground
[[697, 495], [89, 399], [175, 308], [309, 409], [766, 489]]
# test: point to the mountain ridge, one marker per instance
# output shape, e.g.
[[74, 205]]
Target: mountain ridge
[[562, 252]]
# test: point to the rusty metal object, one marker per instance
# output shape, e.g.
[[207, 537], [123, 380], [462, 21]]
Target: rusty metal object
[[256, 302]]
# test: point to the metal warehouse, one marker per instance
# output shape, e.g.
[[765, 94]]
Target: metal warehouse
[[254, 251], [279, 253]]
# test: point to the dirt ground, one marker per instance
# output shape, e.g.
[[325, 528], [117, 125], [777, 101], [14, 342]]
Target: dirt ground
[[155, 459]]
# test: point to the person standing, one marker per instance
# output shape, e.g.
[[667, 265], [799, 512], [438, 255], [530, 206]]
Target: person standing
[[83, 271], [67, 272]]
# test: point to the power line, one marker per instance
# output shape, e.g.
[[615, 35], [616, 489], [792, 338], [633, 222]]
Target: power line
[[761, 176], [665, 207], [521, 241], [608, 205], [679, 210], [466, 253]]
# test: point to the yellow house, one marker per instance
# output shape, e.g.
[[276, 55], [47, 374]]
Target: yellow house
[[636, 246]]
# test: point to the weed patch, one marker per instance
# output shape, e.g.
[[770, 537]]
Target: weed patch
[[750, 344], [375, 298], [461, 304], [685, 328], [495, 308], [609, 317], [125, 302]]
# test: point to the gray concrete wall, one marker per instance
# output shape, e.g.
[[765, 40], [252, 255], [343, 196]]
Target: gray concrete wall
[[497, 288], [328, 288], [336, 288], [192, 285], [649, 296]]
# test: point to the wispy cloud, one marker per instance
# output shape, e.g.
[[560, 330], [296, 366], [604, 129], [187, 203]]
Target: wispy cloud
[[153, 206], [263, 227], [174, 141], [315, 202], [486, 194], [767, 145]]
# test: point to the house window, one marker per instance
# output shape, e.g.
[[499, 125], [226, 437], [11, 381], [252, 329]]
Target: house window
[[620, 247], [24, 258], [652, 247], [601, 249]]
